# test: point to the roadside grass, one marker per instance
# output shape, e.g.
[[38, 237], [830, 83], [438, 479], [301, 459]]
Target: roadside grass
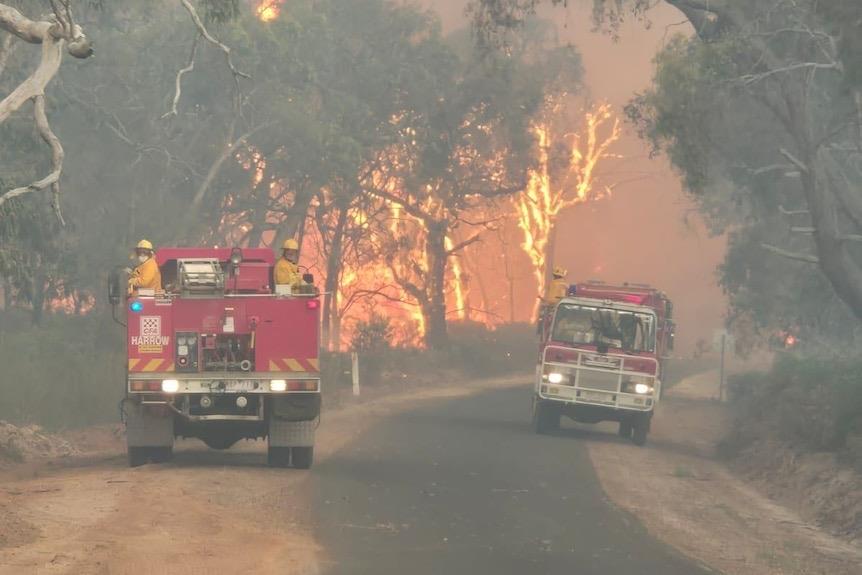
[[67, 372]]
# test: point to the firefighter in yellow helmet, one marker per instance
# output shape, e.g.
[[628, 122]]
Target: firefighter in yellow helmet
[[146, 274], [557, 289], [287, 268]]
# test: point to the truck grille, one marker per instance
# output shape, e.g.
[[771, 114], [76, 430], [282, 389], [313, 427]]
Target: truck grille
[[591, 379]]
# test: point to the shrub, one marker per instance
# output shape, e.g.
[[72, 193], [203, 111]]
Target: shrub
[[67, 372], [815, 403]]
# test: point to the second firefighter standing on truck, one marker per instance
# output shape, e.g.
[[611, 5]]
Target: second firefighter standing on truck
[[557, 289], [287, 267], [146, 274]]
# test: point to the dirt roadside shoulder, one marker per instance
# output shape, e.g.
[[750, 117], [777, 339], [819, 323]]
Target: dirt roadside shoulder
[[207, 512], [690, 500]]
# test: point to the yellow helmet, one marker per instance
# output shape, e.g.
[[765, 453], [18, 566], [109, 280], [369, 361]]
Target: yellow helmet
[[144, 245], [560, 272], [290, 244]]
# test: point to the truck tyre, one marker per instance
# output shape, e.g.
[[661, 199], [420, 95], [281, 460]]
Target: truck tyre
[[138, 456], [278, 456], [302, 457], [640, 429], [546, 418], [625, 430]]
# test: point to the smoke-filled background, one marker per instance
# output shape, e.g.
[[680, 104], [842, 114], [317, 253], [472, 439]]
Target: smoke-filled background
[[648, 230]]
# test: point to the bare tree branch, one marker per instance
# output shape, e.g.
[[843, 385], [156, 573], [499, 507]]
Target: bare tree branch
[[178, 90], [212, 40], [794, 160], [807, 230], [53, 178], [216, 166], [5, 51], [53, 36], [787, 212], [800, 257]]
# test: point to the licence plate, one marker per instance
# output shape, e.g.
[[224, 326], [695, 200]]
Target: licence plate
[[241, 385], [596, 396]]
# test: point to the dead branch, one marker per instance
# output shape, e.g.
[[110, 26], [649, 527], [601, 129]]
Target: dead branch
[[178, 90], [807, 230], [5, 51], [794, 160], [460, 246], [212, 40], [797, 256], [787, 212], [57, 154], [54, 36], [53, 178], [216, 166]]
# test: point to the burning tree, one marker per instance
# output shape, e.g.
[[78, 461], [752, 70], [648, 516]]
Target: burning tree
[[565, 175]]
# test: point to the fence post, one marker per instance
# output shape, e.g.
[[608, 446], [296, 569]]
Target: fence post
[[354, 370]]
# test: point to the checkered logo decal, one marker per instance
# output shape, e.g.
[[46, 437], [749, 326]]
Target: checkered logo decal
[[151, 326]]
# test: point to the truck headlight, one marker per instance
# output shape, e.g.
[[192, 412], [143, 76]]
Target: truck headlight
[[642, 388], [278, 385], [555, 378], [170, 385]]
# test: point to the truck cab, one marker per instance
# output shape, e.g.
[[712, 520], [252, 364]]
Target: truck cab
[[600, 358], [221, 354]]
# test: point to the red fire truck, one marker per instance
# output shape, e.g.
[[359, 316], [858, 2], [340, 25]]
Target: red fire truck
[[221, 354], [602, 354]]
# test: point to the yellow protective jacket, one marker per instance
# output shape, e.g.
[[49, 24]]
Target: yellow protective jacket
[[556, 291], [287, 273], [146, 276]]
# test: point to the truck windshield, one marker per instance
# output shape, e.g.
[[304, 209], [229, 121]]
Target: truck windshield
[[626, 330]]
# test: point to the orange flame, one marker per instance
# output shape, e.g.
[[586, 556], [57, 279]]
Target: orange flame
[[268, 10], [551, 189]]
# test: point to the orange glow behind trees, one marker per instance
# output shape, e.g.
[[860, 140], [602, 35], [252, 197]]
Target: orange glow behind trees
[[268, 10], [565, 175]]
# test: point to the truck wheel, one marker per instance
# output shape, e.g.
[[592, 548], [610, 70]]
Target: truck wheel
[[640, 430], [278, 456], [138, 456], [546, 418], [625, 428], [302, 457]]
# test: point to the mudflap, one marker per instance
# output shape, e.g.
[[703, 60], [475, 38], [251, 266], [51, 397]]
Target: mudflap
[[283, 433], [148, 426], [293, 420]]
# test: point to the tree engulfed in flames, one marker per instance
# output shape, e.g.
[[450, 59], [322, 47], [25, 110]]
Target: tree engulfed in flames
[[268, 10], [565, 176]]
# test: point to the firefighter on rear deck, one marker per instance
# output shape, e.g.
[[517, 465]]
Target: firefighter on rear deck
[[146, 275], [557, 289], [287, 268]]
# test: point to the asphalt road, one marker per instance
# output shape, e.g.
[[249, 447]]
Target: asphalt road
[[466, 487]]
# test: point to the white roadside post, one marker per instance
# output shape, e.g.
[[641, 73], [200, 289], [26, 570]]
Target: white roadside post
[[354, 359]]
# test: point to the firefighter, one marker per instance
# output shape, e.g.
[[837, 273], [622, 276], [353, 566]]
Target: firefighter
[[146, 275], [287, 268], [557, 289]]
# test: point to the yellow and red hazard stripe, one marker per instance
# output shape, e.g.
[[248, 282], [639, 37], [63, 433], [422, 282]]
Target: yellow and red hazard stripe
[[150, 365], [294, 364]]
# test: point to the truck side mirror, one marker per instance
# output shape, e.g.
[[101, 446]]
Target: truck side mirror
[[115, 286], [308, 278]]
